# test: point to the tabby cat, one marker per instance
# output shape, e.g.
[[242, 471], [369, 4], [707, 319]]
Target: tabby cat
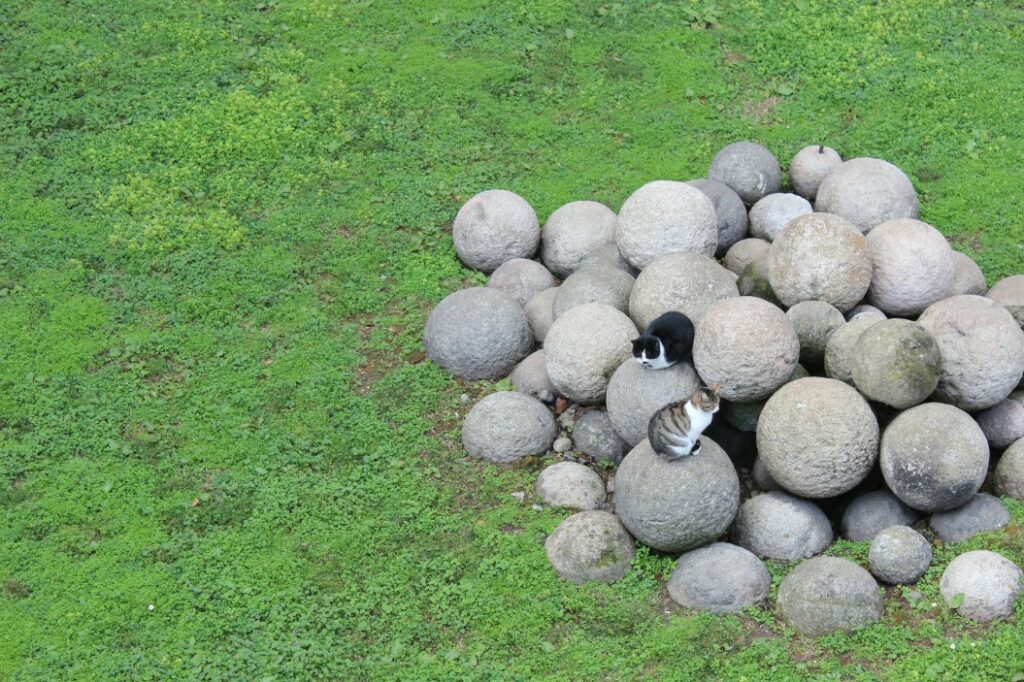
[[674, 430]]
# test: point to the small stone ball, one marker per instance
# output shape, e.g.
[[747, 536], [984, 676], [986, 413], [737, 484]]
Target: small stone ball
[[754, 282], [729, 208], [685, 282], [867, 192], [970, 280], [719, 578], [744, 416], [596, 283], [530, 377], [814, 322], [743, 253], [820, 257], [772, 213], [572, 485], [636, 393], [828, 593], [863, 311], [777, 525], [595, 436], [663, 217], [871, 513], [841, 346], [896, 363], [584, 346], [1008, 479], [810, 166], [989, 583], [590, 546], [913, 267], [505, 426], [540, 313], [1009, 293], [983, 513], [495, 226], [934, 457], [762, 479], [477, 333], [1002, 424], [573, 233], [609, 255], [521, 279], [899, 555], [748, 169]]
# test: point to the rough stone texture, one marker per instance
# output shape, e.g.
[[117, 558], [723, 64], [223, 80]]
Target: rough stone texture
[[567, 484], [897, 363], [748, 169], [685, 282], [980, 515], [562, 444], [810, 166], [989, 583], [982, 350], [840, 348], [609, 255], [1008, 478], [817, 437], [539, 312], [495, 226], [826, 594], [754, 282], [477, 333], [934, 457], [594, 283], [820, 257], [744, 416], [777, 525], [865, 310], [521, 279], [814, 322], [531, 378], [1009, 293], [729, 208], [663, 217], [573, 233], [870, 513], [676, 506], [720, 578], [743, 253], [762, 479], [970, 280], [772, 213], [596, 436], [590, 546], [1002, 424], [867, 192], [636, 393], [913, 267], [747, 346], [505, 426], [584, 346], [899, 555]]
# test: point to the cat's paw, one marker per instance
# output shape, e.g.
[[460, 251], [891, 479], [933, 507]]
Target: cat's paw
[[696, 449]]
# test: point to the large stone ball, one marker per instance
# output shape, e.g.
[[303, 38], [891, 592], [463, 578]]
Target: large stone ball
[[636, 393], [985, 584], [729, 208], [777, 525], [820, 257], [982, 350], [1008, 479], [573, 233], [753, 281], [983, 513], [817, 437], [810, 166], [870, 513], [594, 283], [609, 255], [897, 363], [495, 226], [531, 377], [913, 267], [743, 253], [748, 169], [505, 426], [572, 485], [540, 313], [970, 280], [934, 457], [685, 282], [899, 555], [840, 347], [826, 594], [746, 345], [663, 217], [1002, 424], [590, 546], [1009, 293], [814, 322], [867, 192], [720, 578], [864, 310], [584, 346], [477, 333], [676, 506], [521, 279], [595, 435], [772, 213]]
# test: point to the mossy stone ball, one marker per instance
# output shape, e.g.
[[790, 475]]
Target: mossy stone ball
[[814, 322], [590, 546], [896, 362]]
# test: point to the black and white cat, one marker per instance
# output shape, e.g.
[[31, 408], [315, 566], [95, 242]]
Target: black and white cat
[[666, 341]]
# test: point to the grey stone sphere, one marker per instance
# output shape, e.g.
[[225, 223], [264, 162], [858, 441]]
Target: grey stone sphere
[[863, 311], [477, 333], [753, 281], [743, 253], [609, 255], [590, 546], [746, 345], [869, 514], [594, 283], [719, 578], [676, 506], [982, 351], [934, 457], [573, 233], [814, 322], [810, 166], [521, 279], [748, 169], [495, 226], [897, 363], [729, 209], [762, 479], [820, 257], [828, 593], [983, 513], [817, 437], [530, 377], [970, 280], [899, 555], [663, 217], [636, 393], [584, 346], [540, 313], [572, 485], [1002, 423], [912, 267], [773, 212], [867, 192], [1009, 293], [744, 416], [595, 436], [841, 345], [990, 584], [777, 525], [507, 425], [1008, 478], [686, 282]]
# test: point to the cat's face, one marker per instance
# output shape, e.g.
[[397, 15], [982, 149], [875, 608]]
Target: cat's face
[[706, 399], [649, 353]]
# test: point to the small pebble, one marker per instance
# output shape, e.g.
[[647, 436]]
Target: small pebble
[[537, 507], [519, 495], [610, 485], [914, 595], [464, 397], [562, 444]]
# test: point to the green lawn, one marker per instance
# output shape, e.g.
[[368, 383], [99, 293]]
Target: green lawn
[[222, 225]]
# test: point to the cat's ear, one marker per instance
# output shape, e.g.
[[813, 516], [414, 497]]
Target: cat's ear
[[638, 346], [714, 388]]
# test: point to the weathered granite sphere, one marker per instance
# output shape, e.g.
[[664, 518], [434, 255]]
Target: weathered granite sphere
[[530, 377], [540, 313], [839, 349], [899, 555], [869, 514], [777, 525], [729, 208], [746, 345], [743, 253], [814, 322], [934, 457], [495, 226], [720, 578], [477, 333], [521, 279], [820, 257], [636, 393], [584, 346], [744, 416], [1002, 424], [826, 594], [568, 484], [773, 212], [748, 169], [595, 436], [590, 546], [573, 233], [913, 266], [609, 255], [676, 506], [1008, 478], [867, 192], [1009, 293], [507, 425], [686, 282], [663, 217], [897, 363], [982, 350], [594, 283], [983, 513], [865, 310], [810, 166], [817, 437], [970, 280], [762, 479], [753, 281], [989, 583]]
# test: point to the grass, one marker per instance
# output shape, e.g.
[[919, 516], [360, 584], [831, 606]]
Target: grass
[[221, 228]]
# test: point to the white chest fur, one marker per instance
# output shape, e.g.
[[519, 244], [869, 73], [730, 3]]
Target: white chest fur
[[658, 361], [699, 420]]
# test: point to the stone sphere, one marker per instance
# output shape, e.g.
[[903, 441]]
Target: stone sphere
[[867, 192], [826, 594], [810, 166], [897, 363], [1009, 293], [495, 226], [989, 583], [663, 217], [1002, 424], [746, 345], [609, 255], [863, 311], [983, 513], [748, 169], [743, 253], [572, 485], [540, 313], [871, 513], [530, 377], [754, 282], [573, 233], [762, 479], [982, 350], [1008, 479], [676, 506], [772, 213], [521, 279], [777, 525], [840, 348], [685, 282], [729, 208], [817, 437], [720, 578], [636, 393], [584, 346], [899, 555], [970, 280], [477, 333], [596, 436], [913, 267], [505, 426], [594, 283], [814, 322], [590, 546], [934, 457]]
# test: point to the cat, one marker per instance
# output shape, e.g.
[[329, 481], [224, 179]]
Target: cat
[[674, 430], [666, 341]]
